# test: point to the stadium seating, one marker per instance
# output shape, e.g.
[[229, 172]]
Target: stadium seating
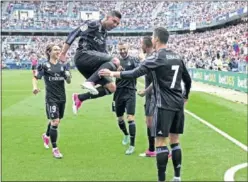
[[223, 49], [51, 15], [211, 50]]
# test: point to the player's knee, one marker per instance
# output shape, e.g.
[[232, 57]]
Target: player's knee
[[111, 87], [161, 141], [149, 121], [116, 61], [174, 138], [130, 117], [55, 122], [121, 118]]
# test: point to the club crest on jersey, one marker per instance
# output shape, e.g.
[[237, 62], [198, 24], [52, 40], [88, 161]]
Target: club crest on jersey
[[48, 66], [62, 68], [84, 27], [57, 74], [129, 64]]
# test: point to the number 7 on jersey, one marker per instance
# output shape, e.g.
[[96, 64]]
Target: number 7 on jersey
[[175, 68]]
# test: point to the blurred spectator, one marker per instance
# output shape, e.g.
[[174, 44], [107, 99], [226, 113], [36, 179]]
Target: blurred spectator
[[59, 15], [220, 49]]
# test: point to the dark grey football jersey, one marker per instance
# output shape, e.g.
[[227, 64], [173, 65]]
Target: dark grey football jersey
[[128, 63], [92, 36], [168, 70], [54, 77]]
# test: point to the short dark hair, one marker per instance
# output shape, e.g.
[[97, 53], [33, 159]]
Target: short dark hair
[[121, 43], [147, 40], [115, 13], [162, 34]]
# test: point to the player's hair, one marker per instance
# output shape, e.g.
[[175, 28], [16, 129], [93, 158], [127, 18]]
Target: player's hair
[[49, 49], [115, 13], [147, 40], [162, 34], [122, 44]]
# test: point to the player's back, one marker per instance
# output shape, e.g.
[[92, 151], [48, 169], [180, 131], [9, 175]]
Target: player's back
[[167, 80], [149, 79]]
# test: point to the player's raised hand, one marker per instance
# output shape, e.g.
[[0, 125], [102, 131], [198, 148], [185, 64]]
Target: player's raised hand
[[36, 91], [120, 68], [141, 56], [116, 61], [185, 101], [105, 72], [141, 93], [62, 57]]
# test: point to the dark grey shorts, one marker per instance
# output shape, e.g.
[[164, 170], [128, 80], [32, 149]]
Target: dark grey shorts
[[166, 121], [88, 62]]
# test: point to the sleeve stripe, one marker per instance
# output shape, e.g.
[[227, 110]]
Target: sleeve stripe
[[73, 36]]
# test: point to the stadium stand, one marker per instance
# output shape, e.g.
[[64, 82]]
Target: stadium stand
[[136, 15], [221, 49]]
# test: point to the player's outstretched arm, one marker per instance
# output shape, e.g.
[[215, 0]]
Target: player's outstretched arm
[[146, 91], [141, 93], [131, 74], [144, 68], [108, 73], [70, 39], [141, 56], [137, 62], [36, 90], [62, 56], [38, 75]]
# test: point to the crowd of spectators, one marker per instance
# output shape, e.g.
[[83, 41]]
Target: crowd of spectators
[[222, 49], [60, 15]]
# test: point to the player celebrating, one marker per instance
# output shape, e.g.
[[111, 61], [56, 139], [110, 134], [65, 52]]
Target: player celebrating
[[168, 70], [147, 48], [91, 56], [54, 74], [125, 97]]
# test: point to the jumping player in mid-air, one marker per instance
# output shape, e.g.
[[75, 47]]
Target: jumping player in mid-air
[[91, 56]]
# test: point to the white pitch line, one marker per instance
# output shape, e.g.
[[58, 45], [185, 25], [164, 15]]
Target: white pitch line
[[236, 142], [230, 173], [225, 135]]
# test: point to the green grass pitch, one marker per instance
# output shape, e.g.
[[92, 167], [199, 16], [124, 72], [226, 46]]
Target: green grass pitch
[[91, 141]]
